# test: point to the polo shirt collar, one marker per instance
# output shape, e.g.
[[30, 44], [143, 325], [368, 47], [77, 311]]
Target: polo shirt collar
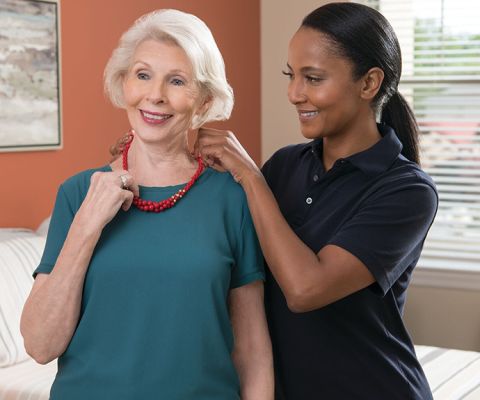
[[374, 160]]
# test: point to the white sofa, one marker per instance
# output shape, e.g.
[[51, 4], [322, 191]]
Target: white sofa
[[452, 374], [20, 376]]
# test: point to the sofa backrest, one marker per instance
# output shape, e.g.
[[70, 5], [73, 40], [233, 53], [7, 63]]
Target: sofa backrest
[[20, 253]]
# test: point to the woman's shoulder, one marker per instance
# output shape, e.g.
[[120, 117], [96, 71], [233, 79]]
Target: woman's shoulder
[[81, 180], [291, 150], [407, 181], [228, 194], [223, 182], [406, 170], [283, 161]]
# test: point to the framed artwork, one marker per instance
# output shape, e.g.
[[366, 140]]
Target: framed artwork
[[30, 106]]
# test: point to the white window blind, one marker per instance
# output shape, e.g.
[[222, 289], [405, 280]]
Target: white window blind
[[440, 42]]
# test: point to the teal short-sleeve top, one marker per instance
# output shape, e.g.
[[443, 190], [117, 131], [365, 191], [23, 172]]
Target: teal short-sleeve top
[[154, 321]]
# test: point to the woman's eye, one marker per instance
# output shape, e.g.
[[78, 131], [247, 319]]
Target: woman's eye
[[142, 76], [178, 82], [288, 74], [312, 79]]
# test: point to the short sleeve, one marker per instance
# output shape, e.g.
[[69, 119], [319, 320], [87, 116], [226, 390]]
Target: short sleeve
[[62, 218], [266, 169], [388, 231], [248, 255]]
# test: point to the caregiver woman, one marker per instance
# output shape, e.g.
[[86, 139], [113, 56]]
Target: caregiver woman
[[341, 219]]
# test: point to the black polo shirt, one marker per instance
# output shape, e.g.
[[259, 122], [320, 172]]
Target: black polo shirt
[[378, 206]]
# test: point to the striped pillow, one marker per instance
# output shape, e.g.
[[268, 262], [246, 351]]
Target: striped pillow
[[20, 252]]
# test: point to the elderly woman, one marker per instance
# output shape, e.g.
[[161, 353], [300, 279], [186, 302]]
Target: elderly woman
[[164, 298]]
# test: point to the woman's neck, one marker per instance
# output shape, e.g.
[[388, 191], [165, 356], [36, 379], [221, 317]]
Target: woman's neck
[[351, 141], [160, 164]]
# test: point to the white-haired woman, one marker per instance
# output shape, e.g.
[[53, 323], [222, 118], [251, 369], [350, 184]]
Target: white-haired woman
[[165, 298]]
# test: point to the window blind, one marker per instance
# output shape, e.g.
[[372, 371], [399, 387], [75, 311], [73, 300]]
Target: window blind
[[440, 41]]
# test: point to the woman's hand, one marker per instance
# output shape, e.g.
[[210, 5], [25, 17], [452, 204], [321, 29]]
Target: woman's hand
[[107, 193], [222, 151], [51, 312]]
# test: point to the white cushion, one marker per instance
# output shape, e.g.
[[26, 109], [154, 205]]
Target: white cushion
[[20, 253], [8, 233], [42, 230], [27, 381]]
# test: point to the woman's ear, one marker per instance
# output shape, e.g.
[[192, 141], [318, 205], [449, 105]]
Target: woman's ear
[[205, 105], [372, 81]]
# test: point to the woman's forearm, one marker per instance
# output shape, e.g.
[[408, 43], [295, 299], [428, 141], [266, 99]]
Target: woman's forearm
[[252, 352], [255, 371], [294, 265], [51, 312]]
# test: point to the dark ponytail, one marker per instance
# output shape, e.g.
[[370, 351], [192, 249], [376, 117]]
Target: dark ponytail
[[367, 39], [397, 113]]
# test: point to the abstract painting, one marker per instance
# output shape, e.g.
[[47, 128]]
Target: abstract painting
[[30, 116]]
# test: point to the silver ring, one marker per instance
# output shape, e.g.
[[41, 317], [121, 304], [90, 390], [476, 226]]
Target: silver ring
[[124, 180]]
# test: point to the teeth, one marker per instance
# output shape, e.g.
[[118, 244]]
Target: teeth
[[157, 117], [309, 114]]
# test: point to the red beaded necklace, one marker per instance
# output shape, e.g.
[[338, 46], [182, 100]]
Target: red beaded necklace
[[162, 205]]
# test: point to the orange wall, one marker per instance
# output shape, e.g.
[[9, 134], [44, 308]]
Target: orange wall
[[90, 31]]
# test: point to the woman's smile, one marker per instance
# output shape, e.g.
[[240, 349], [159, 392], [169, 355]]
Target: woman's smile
[[306, 116], [154, 118]]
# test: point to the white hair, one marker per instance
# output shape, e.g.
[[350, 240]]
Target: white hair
[[194, 37]]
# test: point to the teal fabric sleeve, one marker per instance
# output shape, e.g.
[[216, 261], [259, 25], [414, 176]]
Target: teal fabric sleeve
[[248, 255], [62, 218]]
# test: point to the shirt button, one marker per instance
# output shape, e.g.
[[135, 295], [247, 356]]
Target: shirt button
[[315, 178], [309, 200]]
